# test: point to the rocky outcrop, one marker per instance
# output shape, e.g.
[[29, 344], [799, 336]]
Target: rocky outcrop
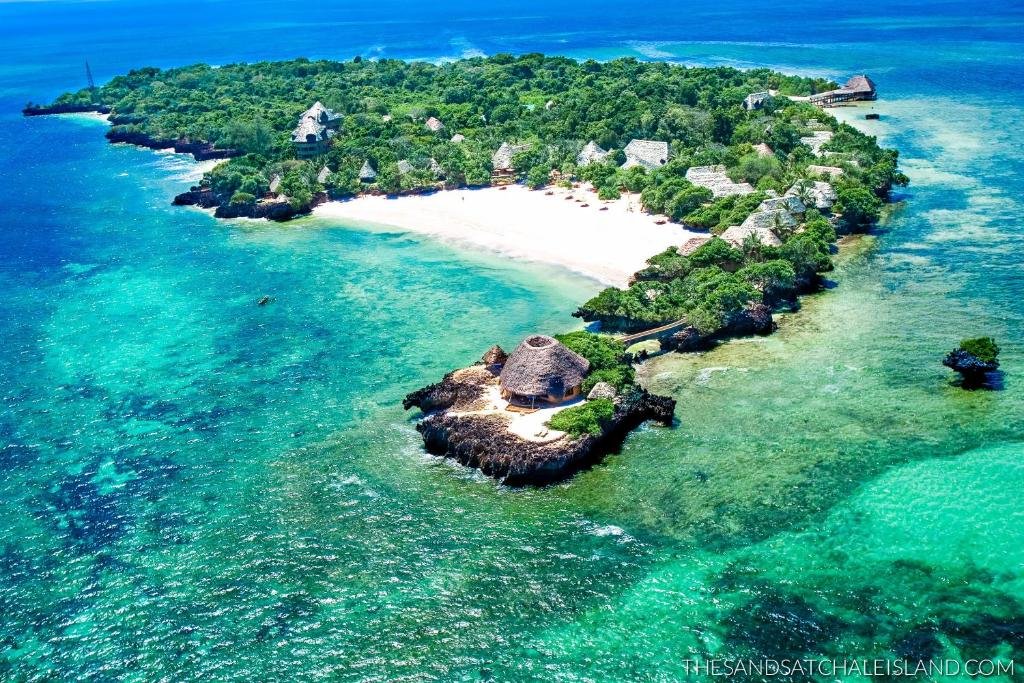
[[274, 210], [686, 339], [203, 197], [271, 209], [200, 150], [755, 319], [460, 390], [483, 442], [976, 373], [66, 108]]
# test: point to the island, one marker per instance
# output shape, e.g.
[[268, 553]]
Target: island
[[741, 179], [977, 361]]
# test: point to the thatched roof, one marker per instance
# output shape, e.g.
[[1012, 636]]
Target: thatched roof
[[275, 183], [715, 179], [860, 84], [647, 153], [602, 390], [816, 140], [494, 356], [821, 194], [458, 137], [830, 171], [542, 365], [775, 218], [790, 203], [366, 173], [756, 100], [434, 124], [764, 150], [502, 159], [738, 234], [321, 114], [309, 130], [693, 244], [591, 153], [405, 167], [436, 168], [323, 175]]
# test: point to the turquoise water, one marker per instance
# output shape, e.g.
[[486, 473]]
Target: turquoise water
[[193, 487]]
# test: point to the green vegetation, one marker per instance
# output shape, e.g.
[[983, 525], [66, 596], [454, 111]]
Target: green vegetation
[[984, 349], [552, 104], [715, 283], [587, 418], [607, 356], [724, 211], [549, 107]]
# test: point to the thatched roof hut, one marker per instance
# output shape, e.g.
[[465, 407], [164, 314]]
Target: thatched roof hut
[[756, 100], [772, 219], [861, 86], [543, 368], [693, 244], [650, 154], [591, 153], [434, 124], [738, 234], [436, 169], [816, 140], [764, 150], [458, 137], [817, 193], [494, 356], [717, 180], [404, 167], [830, 171], [323, 175], [366, 173], [501, 160], [790, 203], [322, 115], [275, 183]]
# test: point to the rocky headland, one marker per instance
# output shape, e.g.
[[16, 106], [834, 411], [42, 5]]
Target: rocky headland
[[461, 423]]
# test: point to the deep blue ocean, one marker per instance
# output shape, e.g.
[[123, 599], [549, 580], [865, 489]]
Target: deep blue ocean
[[193, 487]]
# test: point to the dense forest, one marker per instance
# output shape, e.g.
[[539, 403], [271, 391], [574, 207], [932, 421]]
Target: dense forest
[[549, 108]]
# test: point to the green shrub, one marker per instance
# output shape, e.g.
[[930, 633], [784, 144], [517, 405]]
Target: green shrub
[[606, 355], [609, 191], [983, 348], [242, 198], [716, 252], [587, 418], [859, 207]]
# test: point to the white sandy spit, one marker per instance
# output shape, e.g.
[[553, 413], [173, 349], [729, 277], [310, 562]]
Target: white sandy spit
[[608, 246]]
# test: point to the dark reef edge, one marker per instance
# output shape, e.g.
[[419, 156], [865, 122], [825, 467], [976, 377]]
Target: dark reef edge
[[484, 443]]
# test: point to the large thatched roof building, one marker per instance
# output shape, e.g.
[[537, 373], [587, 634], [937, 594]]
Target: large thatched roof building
[[542, 369], [650, 154], [314, 130], [717, 180]]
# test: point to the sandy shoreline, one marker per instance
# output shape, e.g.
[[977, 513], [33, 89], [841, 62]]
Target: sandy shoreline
[[606, 245]]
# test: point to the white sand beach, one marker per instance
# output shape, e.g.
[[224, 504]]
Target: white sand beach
[[607, 245]]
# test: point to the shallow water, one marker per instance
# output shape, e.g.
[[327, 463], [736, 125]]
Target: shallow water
[[196, 487]]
